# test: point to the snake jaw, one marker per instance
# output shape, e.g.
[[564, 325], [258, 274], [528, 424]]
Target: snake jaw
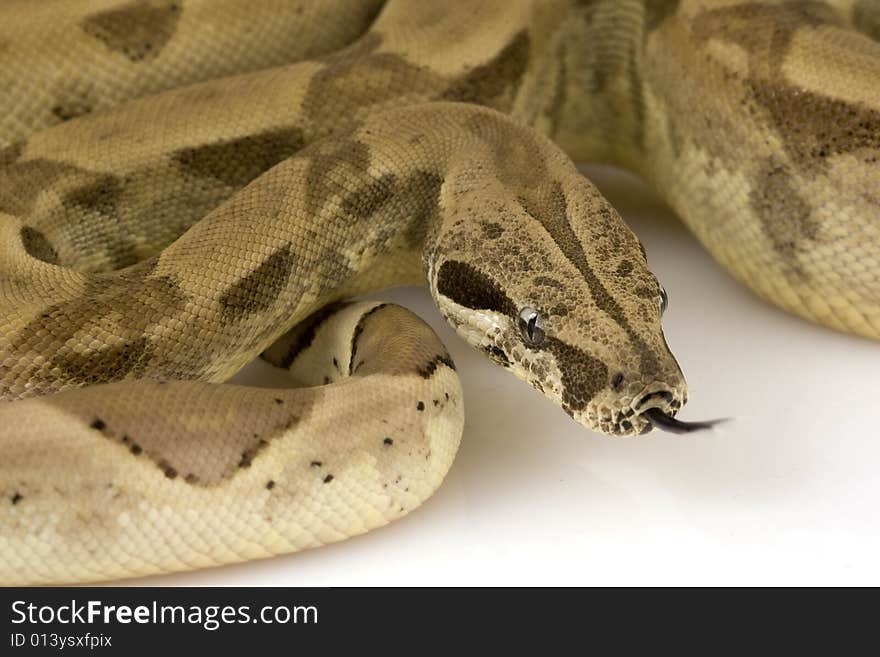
[[623, 413], [657, 409]]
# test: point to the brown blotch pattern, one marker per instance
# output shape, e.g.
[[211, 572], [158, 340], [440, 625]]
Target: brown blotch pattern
[[764, 30], [389, 203], [9, 154], [547, 281], [625, 268], [866, 16], [358, 331], [22, 181], [494, 83], [516, 154], [657, 11], [175, 459], [814, 127], [106, 363], [582, 374], [139, 30], [369, 199], [286, 350], [99, 306], [328, 162], [101, 195], [91, 200], [260, 289], [468, 286], [555, 110], [785, 217], [427, 371], [72, 103], [376, 349], [421, 193], [236, 162], [415, 200], [37, 246], [358, 78]]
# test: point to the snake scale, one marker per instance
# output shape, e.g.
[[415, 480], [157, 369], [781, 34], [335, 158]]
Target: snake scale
[[188, 184]]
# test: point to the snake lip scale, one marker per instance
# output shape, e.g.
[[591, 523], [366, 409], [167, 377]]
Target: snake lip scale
[[188, 185]]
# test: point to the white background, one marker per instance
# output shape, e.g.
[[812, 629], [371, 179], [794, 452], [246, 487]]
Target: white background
[[786, 493]]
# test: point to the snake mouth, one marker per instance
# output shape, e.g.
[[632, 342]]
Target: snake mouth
[[662, 405], [657, 417]]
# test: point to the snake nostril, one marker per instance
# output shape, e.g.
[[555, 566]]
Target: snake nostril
[[659, 394]]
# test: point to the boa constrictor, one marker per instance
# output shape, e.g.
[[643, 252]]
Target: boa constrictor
[[186, 184]]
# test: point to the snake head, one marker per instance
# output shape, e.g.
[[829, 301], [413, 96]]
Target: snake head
[[562, 296]]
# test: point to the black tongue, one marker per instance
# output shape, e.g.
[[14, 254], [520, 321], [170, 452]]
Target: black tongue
[[668, 423]]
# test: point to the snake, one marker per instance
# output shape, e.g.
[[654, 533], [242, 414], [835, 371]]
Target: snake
[[188, 185]]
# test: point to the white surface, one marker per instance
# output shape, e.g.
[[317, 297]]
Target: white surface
[[787, 493]]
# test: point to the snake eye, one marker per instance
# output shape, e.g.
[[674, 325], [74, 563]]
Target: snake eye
[[664, 300], [531, 326]]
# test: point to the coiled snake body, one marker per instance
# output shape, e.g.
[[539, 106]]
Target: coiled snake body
[[185, 185]]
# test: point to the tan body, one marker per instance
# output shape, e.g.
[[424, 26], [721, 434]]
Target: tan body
[[178, 236]]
